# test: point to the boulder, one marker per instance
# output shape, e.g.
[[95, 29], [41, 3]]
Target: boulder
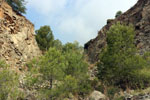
[[96, 95]]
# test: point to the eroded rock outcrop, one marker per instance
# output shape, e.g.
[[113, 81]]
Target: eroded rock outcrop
[[139, 16], [17, 37]]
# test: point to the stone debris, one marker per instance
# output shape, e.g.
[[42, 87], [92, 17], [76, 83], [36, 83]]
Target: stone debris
[[145, 96]]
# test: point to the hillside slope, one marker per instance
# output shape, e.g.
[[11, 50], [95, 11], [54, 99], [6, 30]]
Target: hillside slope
[[139, 16]]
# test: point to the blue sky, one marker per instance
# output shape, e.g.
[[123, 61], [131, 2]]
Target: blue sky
[[72, 20]]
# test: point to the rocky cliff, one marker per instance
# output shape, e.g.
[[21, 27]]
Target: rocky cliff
[[17, 37], [139, 16]]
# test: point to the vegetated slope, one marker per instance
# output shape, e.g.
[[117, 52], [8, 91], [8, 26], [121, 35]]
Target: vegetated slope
[[139, 16], [17, 37]]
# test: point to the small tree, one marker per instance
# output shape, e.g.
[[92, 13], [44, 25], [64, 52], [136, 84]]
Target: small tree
[[77, 67], [119, 64], [76, 64], [17, 5], [44, 37], [52, 66], [118, 14]]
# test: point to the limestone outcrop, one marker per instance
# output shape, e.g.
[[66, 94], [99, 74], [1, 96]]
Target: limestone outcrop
[[139, 16], [17, 37]]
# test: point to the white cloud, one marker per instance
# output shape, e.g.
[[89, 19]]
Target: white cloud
[[78, 19], [46, 6], [76, 29]]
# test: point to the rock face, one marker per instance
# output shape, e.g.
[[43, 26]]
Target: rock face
[[17, 38], [139, 16]]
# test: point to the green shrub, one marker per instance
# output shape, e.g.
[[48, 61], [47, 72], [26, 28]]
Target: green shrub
[[111, 91], [9, 83], [120, 98], [119, 63], [95, 83], [3, 64]]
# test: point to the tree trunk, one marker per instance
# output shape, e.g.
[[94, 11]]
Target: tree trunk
[[51, 86]]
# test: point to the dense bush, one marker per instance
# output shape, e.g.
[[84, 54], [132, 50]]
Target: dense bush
[[9, 83], [119, 62]]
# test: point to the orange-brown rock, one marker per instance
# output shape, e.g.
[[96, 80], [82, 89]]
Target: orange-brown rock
[[17, 37]]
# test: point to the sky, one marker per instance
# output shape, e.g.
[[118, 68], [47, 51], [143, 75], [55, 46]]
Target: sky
[[74, 20]]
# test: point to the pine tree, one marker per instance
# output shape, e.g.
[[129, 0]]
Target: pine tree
[[44, 37], [52, 66], [17, 5], [119, 64], [118, 14]]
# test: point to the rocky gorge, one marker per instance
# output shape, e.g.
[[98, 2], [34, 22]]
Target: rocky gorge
[[18, 44]]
